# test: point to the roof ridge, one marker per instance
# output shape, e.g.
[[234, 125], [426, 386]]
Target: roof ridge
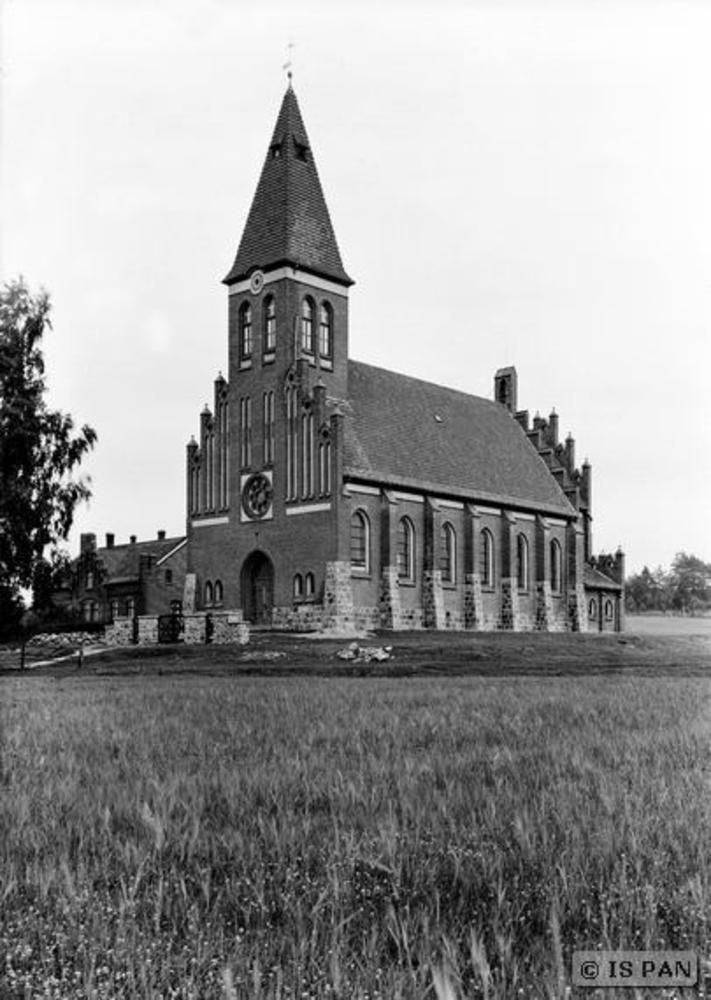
[[424, 381]]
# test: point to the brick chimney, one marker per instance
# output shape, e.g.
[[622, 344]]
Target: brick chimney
[[110, 540], [161, 536]]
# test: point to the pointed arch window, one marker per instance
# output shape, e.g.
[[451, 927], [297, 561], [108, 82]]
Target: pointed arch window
[[360, 541], [406, 549], [522, 567], [219, 592], [448, 553], [487, 558], [556, 566], [309, 585], [298, 587], [269, 325], [325, 331], [209, 595], [245, 331], [307, 325]]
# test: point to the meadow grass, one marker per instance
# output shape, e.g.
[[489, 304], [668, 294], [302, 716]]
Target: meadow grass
[[336, 837]]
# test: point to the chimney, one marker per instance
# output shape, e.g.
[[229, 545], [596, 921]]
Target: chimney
[[110, 539], [161, 536], [132, 539], [506, 388]]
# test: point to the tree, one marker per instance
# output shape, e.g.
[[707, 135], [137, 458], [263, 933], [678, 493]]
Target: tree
[[690, 582], [39, 448]]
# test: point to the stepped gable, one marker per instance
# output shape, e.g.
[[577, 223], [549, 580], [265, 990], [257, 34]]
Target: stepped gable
[[288, 222], [403, 431]]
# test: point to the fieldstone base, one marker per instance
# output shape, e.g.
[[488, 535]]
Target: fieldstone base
[[338, 596], [390, 606], [510, 619], [577, 610], [473, 602], [544, 607], [433, 599]]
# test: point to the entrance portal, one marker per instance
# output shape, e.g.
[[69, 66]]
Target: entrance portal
[[257, 586]]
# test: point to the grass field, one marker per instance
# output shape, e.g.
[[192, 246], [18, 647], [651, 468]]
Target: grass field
[[237, 835]]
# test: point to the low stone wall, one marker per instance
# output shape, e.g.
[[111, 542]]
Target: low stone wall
[[119, 632], [227, 627], [219, 627]]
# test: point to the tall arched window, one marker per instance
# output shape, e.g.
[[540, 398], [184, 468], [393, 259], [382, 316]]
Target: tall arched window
[[298, 587], [245, 331], [448, 553], [325, 331], [268, 411], [292, 443], [269, 325], [219, 592], [556, 567], [360, 541], [307, 326], [209, 595], [310, 585], [406, 549], [487, 558], [325, 467], [522, 562]]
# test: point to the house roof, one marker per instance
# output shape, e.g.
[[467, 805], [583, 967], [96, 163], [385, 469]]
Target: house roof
[[288, 222], [407, 432], [594, 579], [122, 562]]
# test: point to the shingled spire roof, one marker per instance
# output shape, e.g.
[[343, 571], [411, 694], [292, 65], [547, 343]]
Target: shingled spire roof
[[288, 222]]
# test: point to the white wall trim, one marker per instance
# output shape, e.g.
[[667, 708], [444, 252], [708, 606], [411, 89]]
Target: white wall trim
[[451, 504], [371, 491], [208, 522], [410, 497], [297, 275], [311, 508]]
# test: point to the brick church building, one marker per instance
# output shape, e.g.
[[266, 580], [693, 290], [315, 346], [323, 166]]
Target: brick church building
[[326, 492]]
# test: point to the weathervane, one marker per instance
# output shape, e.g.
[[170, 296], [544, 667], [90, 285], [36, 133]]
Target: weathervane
[[287, 64]]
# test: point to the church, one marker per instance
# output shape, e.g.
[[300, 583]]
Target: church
[[323, 492]]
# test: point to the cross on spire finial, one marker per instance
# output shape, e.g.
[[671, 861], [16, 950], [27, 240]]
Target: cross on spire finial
[[287, 64]]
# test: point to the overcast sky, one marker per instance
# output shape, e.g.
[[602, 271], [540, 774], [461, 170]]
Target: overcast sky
[[510, 183]]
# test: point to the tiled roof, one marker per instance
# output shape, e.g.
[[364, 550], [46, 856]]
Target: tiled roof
[[406, 432], [288, 222], [593, 578], [122, 562]]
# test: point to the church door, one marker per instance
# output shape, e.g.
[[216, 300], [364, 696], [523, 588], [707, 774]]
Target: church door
[[258, 588]]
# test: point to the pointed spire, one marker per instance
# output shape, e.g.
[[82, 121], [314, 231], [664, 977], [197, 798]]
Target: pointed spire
[[288, 222]]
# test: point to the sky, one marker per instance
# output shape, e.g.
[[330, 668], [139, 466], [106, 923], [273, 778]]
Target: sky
[[510, 182]]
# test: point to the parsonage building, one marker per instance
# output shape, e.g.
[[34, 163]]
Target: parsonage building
[[322, 491]]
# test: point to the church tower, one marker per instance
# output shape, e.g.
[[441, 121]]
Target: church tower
[[268, 448]]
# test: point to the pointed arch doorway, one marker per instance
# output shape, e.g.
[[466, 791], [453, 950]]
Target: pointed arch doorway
[[257, 588]]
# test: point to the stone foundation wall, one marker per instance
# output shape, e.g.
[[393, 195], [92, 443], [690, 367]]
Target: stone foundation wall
[[577, 610], [195, 629], [390, 604], [338, 596], [433, 599], [510, 615], [473, 602]]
